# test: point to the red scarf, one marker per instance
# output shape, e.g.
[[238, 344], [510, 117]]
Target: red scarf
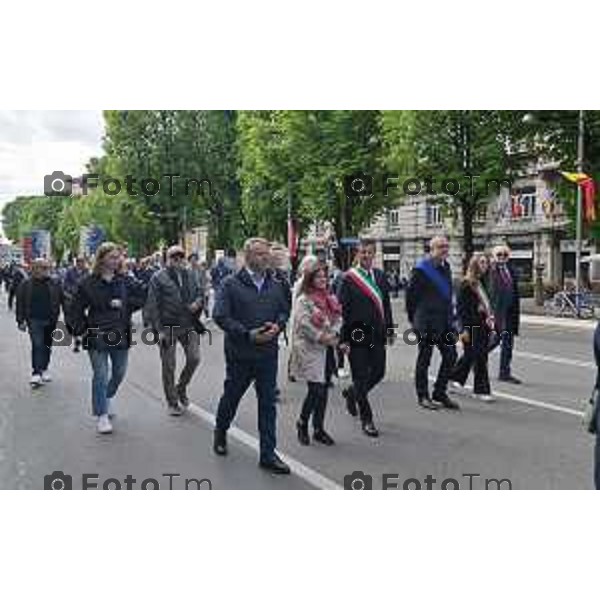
[[327, 307]]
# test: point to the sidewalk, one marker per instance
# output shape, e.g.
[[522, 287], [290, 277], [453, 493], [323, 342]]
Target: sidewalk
[[531, 314]]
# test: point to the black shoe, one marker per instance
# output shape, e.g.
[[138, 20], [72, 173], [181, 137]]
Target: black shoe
[[220, 442], [445, 401], [320, 435], [303, 437], [175, 410], [370, 429], [426, 402], [509, 379], [348, 393], [276, 466], [183, 398]]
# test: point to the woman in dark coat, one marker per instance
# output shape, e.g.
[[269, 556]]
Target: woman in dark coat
[[478, 326]]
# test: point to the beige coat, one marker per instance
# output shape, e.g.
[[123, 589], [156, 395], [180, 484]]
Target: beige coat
[[308, 356]]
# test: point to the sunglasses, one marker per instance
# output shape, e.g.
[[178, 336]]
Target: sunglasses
[[177, 256], [502, 254]]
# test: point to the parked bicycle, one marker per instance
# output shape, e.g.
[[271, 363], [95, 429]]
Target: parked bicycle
[[564, 304]]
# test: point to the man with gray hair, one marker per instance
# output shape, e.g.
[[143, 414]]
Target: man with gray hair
[[173, 307], [430, 308], [252, 309], [505, 299]]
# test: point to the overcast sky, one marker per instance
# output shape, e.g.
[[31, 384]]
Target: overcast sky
[[34, 143]]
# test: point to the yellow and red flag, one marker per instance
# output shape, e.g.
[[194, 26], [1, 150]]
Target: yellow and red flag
[[588, 188]]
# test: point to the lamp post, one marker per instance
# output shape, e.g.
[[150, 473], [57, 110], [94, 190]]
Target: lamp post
[[578, 227]]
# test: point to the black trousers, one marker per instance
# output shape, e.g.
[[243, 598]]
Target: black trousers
[[475, 356], [368, 369], [448, 352], [315, 403]]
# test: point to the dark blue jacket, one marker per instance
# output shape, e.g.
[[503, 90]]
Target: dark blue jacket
[[240, 307], [427, 308]]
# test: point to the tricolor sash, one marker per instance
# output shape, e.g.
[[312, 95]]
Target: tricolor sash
[[368, 287]]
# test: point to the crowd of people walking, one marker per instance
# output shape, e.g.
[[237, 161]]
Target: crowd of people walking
[[328, 317]]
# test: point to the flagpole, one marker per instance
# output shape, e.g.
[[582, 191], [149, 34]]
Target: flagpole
[[579, 210]]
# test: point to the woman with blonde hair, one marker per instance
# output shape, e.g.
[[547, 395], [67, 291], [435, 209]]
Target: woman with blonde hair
[[478, 327], [316, 328], [102, 309]]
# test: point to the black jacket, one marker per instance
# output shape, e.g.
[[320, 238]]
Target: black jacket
[[92, 316], [358, 308], [23, 296], [469, 313], [508, 319], [240, 307], [427, 308]]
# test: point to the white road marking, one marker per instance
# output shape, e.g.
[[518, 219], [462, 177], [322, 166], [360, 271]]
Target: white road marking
[[555, 359], [540, 404], [569, 323], [531, 402], [301, 470]]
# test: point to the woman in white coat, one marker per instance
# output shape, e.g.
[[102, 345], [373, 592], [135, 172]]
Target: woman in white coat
[[316, 326]]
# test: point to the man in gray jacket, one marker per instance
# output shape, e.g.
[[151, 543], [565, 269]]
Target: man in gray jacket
[[173, 308]]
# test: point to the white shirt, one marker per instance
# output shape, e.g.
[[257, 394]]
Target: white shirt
[[257, 279]]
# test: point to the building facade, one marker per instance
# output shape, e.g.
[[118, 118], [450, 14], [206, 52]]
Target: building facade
[[530, 218]]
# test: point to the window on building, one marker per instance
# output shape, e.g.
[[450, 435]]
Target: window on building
[[433, 215], [481, 213], [523, 204], [394, 219]]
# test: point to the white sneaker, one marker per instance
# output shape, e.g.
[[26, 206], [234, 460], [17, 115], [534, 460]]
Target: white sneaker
[[46, 377], [484, 397], [342, 374], [104, 425], [36, 380], [456, 387]]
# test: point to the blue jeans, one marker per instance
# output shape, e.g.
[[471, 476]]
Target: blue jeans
[[238, 377], [41, 345], [102, 387], [506, 350]]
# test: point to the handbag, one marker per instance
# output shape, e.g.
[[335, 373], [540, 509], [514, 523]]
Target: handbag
[[590, 415]]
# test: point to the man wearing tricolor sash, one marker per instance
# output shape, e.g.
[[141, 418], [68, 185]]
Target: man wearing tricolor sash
[[430, 309], [368, 326]]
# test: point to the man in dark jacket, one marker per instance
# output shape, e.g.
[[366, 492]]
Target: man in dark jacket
[[505, 299], [39, 300], [173, 307], [430, 309], [367, 327], [252, 309], [17, 275]]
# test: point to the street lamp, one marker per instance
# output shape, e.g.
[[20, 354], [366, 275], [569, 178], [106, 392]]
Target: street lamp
[[581, 130]]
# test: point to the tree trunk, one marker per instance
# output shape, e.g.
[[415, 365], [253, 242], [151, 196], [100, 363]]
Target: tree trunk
[[468, 212]]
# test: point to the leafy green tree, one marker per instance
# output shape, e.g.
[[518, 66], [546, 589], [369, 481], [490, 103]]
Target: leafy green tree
[[470, 147]]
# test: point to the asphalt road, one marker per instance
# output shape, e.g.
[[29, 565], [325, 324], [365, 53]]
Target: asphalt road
[[531, 434]]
